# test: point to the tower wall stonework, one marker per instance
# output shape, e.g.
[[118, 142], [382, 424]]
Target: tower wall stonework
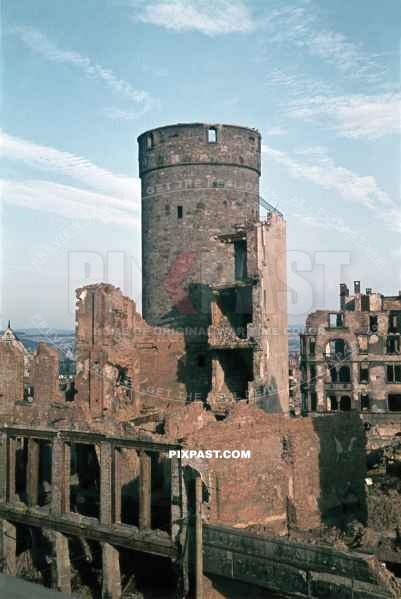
[[192, 192]]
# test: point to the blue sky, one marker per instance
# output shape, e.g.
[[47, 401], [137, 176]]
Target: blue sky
[[81, 80]]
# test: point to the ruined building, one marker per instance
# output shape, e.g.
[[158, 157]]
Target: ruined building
[[89, 496], [351, 357]]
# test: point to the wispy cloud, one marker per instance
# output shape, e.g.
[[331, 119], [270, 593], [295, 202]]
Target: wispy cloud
[[311, 220], [76, 167], [67, 201], [45, 47], [354, 116], [322, 170], [118, 114], [276, 131], [120, 194], [295, 83], [392, 217], [299, 26], [210, 18]]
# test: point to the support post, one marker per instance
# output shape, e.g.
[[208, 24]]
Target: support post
[[61, 564], [117, 484], [66, 491], [184, 535], [176, 508], [198, 539], [12, 456], [106, 492], [32, 474], [3, 467], [8, 548], [111, 579], [145, 491], [58, 481]]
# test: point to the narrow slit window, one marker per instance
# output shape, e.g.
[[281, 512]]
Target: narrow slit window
[[373, 324], [179, 212], [212, 135], [394, 373], [364, 373], [332, 321], [365, 401], [150, 141]]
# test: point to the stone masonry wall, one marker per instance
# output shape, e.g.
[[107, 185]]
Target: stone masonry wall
[[216, 185], [11, 377]]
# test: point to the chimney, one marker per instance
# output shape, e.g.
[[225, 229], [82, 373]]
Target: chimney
[[357, 287], [344, 293]]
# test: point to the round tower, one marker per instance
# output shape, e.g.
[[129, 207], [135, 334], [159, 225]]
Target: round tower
[[200, 183]]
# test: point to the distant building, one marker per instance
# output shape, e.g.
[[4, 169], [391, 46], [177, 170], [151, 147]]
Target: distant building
[[9, 337], [351, 358], [294, 383]]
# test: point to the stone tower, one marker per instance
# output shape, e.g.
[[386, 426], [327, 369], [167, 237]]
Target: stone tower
[[210, 267], [199, 182]]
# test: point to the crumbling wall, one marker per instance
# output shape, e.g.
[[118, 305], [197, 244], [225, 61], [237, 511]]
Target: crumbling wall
[[123, 363], [270, 313], [342, 465], [11, 377], [245, 491], [301, 472], [44, 374], [248, 334]]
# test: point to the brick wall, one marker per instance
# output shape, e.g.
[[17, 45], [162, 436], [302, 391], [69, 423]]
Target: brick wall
[[301, 470], [11, 377]]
